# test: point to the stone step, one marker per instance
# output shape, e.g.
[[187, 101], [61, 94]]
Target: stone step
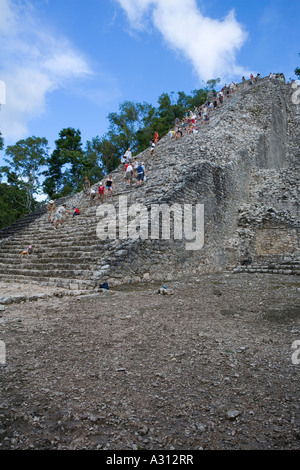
[[58, 261], [65, 230], [17, 246], [61, 233], [80, 259], [50, 265], [40, 263], [74, 284], [45, 276], [274, 265], [66, 273], [21, 224], [31, 262], [292, 270], [59, 248]]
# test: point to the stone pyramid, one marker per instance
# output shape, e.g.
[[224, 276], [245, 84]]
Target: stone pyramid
[[243, 171]]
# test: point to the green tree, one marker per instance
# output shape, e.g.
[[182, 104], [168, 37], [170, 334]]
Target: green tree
[[126, 125], [170, 109], [23, 169], [94, 169], [13, 204], [122, 124], [53, 182], [165, 115], [67, 165], [212, 84], [198, 98], [1, 141], [69, 146], [107, 154]]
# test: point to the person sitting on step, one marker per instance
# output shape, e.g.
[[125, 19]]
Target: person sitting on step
[[76, 211], [28, 251]]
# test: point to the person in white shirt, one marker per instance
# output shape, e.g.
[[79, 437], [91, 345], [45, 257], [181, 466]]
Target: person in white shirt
[[135, 165], [60, 215], [128, 175], [152, 148], [128, 154]]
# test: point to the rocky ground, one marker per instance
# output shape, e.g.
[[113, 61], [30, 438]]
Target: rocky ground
[[210, 366]]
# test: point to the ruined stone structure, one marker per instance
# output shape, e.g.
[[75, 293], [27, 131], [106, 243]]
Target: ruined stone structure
[[243, 168]]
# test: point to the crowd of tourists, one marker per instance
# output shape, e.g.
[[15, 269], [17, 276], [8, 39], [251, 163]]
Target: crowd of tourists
[[201, 115], [134, 169]]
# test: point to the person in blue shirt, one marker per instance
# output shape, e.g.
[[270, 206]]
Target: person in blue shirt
[[140, 174]]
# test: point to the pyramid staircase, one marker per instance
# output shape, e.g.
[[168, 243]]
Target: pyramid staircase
[[182, 171]]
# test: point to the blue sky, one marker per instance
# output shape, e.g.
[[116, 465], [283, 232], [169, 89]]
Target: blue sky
[[68, 63]]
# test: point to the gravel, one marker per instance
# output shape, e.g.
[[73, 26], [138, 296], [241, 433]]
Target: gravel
[[208, 367]]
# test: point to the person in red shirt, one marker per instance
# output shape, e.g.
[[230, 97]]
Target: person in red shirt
[[101, 192], [76, 211]]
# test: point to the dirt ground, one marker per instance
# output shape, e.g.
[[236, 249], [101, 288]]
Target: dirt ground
[[211, 366]]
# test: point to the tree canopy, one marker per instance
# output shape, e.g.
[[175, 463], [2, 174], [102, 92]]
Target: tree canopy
[[13, 204], [69, 164], [23, 168]]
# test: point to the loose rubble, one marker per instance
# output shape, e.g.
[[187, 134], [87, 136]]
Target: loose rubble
[[209, 367]]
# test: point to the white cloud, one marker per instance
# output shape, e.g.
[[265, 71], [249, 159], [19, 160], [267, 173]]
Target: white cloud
[[25, 99], [7, 17], [210, 45], [66, 63], [34, 63]]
